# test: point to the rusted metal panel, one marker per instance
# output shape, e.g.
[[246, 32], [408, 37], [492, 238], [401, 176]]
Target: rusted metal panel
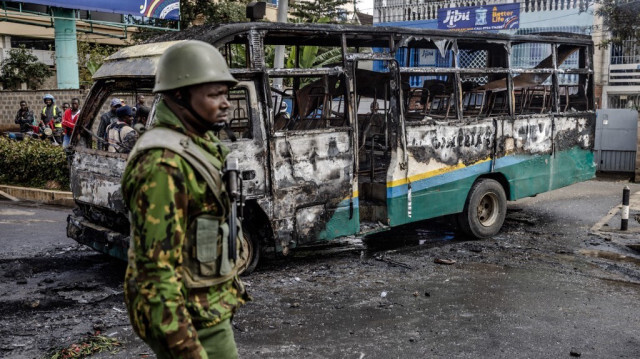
[[446, 143], [310, 169], [95, 179]]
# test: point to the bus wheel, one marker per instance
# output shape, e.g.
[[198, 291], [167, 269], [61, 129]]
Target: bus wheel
[[484, 210], [251, 246]]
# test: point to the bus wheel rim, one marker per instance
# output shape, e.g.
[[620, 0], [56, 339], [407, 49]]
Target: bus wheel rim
[[488, 209]]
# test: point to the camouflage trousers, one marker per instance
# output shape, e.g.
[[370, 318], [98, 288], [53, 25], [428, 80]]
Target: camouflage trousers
[[217, 341]]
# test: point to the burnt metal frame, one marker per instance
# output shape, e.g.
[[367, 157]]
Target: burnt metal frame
[[389, 39]]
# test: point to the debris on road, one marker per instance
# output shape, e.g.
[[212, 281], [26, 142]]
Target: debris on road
[[444, 261], [391, 262], [95, 343]]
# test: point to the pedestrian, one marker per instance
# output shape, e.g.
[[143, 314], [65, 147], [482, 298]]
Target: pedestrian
[[121, 135], [107, 119], [181, 285], [69, 121], [51, 115], [24, 117], [140, 101], [140, 119]]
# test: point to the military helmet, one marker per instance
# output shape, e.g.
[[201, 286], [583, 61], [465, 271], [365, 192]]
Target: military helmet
[[191, 63]]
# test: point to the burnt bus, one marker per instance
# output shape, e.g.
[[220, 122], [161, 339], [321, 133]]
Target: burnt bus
[[361, 142]]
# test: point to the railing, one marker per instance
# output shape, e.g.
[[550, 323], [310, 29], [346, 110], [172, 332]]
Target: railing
[[625, 60], [411, 10]]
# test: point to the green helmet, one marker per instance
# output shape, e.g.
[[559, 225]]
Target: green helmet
[[191, 63]]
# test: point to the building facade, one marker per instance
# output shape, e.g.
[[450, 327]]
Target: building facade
[[616, 69]]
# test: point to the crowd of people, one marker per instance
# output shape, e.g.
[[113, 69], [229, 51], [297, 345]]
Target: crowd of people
[[118, 130], [51, 116], [121, 126]]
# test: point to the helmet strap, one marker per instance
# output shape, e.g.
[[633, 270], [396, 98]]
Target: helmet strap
[[185, 101]]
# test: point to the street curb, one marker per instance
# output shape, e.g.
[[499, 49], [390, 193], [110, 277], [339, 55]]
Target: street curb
[[60, 198]]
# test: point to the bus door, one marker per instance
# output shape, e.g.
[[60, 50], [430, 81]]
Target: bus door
[[245, 137], [380, 147], [312, 158]]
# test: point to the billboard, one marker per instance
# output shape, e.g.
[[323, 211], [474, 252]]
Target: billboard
[[161, 9], [487, 17]]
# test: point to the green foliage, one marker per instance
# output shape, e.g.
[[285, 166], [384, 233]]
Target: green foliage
[[307, 57], [314, 56], [22, 66], [192, 13], [33, 163], [621, 18], [91, 55], [313, 11], [198, 12]]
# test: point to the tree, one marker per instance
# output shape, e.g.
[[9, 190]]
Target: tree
[[620, 18], [313, 11], [91, 55], [193, 13], [198, 12], [22, 66]]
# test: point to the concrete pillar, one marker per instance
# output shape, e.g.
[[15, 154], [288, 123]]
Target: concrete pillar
[[5, 41], [636, 177], [278, 57], [66, 49]]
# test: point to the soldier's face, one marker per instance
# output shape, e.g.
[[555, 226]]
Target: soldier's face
[[210, 102]]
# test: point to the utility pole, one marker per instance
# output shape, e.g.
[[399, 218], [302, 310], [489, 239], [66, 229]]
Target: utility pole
[[278, 59]]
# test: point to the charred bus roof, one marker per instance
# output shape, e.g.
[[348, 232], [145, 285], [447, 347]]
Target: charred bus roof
[[141, 60], [356, 36], [133, 61]]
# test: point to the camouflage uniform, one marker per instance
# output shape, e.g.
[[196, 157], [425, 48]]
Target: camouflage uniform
[[165, 195]]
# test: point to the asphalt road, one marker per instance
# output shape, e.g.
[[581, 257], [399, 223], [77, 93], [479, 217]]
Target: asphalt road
[[545, 287]]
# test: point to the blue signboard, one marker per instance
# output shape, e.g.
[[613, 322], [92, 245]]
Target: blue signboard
[[488, 17], [161, 9]]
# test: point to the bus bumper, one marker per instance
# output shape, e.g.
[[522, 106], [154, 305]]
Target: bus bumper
[[97, 237]]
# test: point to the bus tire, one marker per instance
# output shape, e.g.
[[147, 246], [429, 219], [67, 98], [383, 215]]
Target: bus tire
[[252, 246], [484, 209]]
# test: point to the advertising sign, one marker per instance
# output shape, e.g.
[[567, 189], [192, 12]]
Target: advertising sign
[[427, 57], [161, 9], [487, 17]]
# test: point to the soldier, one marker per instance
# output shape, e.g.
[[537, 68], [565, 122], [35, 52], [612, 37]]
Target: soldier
[[182, 285]]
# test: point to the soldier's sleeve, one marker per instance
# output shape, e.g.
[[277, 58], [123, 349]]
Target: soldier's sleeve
[[158, 205]]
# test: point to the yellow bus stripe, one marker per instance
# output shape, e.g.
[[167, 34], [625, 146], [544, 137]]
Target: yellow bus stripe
[[433, 173]]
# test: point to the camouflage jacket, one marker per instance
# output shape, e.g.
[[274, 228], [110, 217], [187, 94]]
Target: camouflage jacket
[[164, 195]]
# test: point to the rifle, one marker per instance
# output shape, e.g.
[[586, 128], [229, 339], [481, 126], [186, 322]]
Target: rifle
[[235, 195]]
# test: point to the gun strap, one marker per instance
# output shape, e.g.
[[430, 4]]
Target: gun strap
[[207, 166]]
